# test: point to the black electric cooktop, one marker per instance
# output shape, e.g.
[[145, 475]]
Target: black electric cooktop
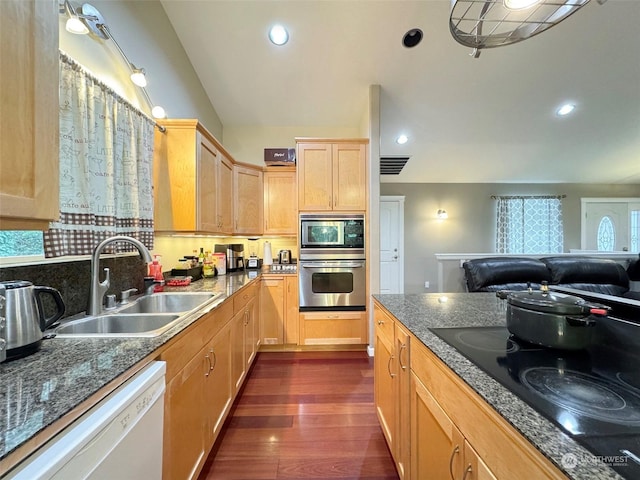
[[592, 394]]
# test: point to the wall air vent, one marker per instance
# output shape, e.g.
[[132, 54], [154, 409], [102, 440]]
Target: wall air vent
[[392, 165]]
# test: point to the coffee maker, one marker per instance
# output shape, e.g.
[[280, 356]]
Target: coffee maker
[[235, 255]]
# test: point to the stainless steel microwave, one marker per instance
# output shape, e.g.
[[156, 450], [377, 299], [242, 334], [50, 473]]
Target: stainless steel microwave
[[331, 236]]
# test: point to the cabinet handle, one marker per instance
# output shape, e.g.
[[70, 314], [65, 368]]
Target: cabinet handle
[[392, 375], [215, 360], [402, 347], [208, 360], [455, 451], [380, 322], [467, 472]]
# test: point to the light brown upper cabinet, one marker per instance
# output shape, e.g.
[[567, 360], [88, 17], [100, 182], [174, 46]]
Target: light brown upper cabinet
[[247, 200], [332, 174], [280, 201], [193, 180], [29, 179]]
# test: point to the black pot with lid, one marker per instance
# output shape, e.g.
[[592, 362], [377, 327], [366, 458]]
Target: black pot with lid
[[552, 319]]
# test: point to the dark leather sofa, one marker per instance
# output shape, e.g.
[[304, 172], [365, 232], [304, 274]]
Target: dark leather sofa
[[516, 273]]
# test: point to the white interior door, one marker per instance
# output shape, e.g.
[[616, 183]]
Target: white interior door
[[611, 224], [391, 244]]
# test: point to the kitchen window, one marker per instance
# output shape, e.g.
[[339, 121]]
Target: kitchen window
[[21, 243], [529, 224]]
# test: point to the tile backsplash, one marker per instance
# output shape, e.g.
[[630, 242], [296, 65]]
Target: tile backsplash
[[73, 279]]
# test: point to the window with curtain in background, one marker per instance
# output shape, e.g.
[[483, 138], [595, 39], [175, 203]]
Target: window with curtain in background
[[106, 161], [529, 224]]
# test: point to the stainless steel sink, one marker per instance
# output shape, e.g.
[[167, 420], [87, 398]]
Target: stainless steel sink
[[148, 316], [118, 325], [175, 302]]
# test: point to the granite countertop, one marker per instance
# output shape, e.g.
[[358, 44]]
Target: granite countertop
[[38, 390], [420, 312]]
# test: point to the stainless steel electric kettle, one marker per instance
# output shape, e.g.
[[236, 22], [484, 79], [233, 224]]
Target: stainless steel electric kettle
[[25, 316]]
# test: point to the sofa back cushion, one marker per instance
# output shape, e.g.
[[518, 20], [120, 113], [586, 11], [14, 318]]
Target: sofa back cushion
[[591, 274], [504, 273]]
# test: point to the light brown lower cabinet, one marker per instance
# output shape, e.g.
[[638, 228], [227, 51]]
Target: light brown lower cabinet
[[279, 310], [206, 365], [391, 387], [438, 448], [436, 426], [452, 425]]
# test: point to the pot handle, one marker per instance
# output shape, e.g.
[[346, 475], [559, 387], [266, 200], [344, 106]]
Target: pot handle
[[47, 322], [580, 321]]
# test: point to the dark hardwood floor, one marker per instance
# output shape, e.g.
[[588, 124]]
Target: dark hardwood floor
[[303, 415]]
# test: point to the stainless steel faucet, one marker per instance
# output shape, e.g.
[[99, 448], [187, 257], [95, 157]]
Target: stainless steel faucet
[[98, 288]]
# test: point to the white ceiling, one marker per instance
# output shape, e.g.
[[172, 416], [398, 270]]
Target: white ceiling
[[490, 119]]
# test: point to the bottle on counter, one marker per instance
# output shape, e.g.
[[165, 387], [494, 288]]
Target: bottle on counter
[[201, 256], [209, 267], [155, 271]]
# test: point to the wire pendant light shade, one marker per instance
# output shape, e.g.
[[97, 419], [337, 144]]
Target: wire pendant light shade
[[493, 23]]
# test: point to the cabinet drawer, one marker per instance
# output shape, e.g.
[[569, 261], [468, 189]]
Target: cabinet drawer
[[329, 328], [383, 324], [241, 298]]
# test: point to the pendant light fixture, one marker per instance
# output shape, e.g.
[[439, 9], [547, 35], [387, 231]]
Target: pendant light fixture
[[87, 19], [493, 23]]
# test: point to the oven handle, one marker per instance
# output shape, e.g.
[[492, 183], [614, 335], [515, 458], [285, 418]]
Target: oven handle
[[333, 265]]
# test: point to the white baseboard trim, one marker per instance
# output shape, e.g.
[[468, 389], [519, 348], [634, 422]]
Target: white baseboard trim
[[370, 350]]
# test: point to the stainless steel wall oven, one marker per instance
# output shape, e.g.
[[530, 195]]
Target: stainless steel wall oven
[[332, 266]]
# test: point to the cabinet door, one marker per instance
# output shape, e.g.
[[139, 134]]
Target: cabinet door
[[206, 178], [247, 200], [315, 190], [237, 350], [385, 387], [184, 434], [437, 447], [272, 311], [249, 334], [349, 176], [292, 313], [217, 390], [402, 452], [29, 114], [254, 312], [224, 199], [280, 203], [474, 467]]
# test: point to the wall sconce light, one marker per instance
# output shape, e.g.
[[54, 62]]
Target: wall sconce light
[[442, 214], [87, 19]]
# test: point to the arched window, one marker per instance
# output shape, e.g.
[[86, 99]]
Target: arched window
[[606, 235]]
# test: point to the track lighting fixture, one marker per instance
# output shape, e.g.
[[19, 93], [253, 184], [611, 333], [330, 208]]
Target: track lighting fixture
[[87, 19]]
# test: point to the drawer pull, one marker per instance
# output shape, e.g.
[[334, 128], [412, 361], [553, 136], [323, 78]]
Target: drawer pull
[[208, 360], [467, 472], [455, 451], [402, 347], [389, 367]]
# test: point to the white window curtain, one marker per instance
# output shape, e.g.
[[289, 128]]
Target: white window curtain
[[106, 160], [529, 225]]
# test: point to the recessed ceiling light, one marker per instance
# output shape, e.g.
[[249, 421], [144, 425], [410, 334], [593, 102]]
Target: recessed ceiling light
[[278, 35], [565, 109], [412, 38], [402, 139]]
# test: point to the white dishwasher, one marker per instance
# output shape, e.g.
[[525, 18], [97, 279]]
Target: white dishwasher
[[119, 438]]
